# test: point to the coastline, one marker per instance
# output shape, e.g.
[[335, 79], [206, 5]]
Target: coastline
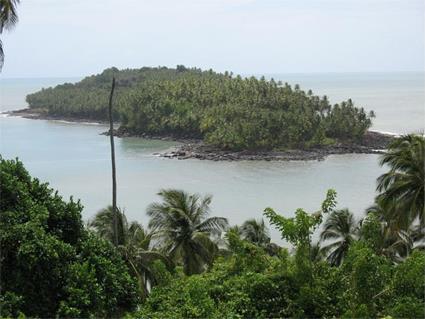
[[37, 114], [373, 142]]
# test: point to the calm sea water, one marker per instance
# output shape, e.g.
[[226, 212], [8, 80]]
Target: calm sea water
[[74, 158]]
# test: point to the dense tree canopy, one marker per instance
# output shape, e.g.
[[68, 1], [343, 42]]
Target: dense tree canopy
[[50, 265], [226, 111], [249, 283]]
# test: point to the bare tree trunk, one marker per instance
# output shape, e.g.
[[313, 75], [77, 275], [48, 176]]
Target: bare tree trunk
[[114, 177]]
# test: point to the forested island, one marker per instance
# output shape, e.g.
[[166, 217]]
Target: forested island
[[226, 113], [185, 263]]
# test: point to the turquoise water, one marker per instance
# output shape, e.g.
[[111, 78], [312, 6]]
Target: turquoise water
[[74, 158]]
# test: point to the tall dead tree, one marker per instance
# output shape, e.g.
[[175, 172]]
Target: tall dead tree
[[114, 176]]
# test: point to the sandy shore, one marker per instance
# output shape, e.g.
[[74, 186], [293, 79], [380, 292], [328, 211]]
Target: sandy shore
[[38, 114]]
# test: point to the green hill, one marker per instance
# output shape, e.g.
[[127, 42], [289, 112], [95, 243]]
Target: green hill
[[226, 111]]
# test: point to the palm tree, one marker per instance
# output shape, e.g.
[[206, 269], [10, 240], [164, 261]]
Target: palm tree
[[341, 229], [114, 173], [387, 212], [403, 185], [255, 232], [134, 244], [104, 226], [183, 228], [394, 242], [8, 19]]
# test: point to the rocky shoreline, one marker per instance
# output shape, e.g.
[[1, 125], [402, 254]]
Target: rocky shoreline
[[372, 143]]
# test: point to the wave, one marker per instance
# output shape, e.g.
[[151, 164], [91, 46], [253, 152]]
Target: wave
[[75, 122], [386, 133]]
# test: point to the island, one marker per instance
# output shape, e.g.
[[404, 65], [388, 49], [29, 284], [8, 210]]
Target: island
[[218, 116]]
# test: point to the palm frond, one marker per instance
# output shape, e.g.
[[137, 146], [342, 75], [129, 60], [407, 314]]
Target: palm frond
[[255, 232], [341, 229], [182, 228], [213, 225], [403, 185], [8, 14]]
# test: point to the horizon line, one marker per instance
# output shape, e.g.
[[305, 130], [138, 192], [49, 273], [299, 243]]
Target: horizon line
[[234, 73]]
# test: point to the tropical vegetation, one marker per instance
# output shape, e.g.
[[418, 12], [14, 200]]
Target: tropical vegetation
[[8, 19], [402, 187], [51, 266], [134, 245], [340, 229], [182, 227], [226, 111], [187, 264], [255, 231]]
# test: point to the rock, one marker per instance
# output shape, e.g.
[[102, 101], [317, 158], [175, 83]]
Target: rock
[[372, 143]]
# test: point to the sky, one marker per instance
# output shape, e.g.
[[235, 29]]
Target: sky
[[60, 38]]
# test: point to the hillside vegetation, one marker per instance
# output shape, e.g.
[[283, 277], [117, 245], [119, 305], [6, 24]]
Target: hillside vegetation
[[186, 262], [226, 111]]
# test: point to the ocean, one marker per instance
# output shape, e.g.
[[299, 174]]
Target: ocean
[[74, 158]]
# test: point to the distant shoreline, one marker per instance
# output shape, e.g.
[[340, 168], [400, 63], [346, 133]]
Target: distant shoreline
[[374, 142], [36, 114]]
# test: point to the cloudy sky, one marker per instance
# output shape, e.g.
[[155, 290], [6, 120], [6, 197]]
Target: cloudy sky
[[81, 37]]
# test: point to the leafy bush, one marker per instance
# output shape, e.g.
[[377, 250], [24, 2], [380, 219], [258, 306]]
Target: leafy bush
[[50, 265]]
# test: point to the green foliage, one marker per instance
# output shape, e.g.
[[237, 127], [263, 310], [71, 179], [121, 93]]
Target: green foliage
[[360, 288], [249, 283], [371, 232], [56, 268], [408, 288], [339, 231], [134, 245], [227, 112], [247, 256], [408, 308], [298, 230], [394, 225], [255, 232], [406, 281], [218, 293], [162, 273], [346, 121], [402, 187], [183, 228], [366, 279], [10, 305], [53, 266]]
